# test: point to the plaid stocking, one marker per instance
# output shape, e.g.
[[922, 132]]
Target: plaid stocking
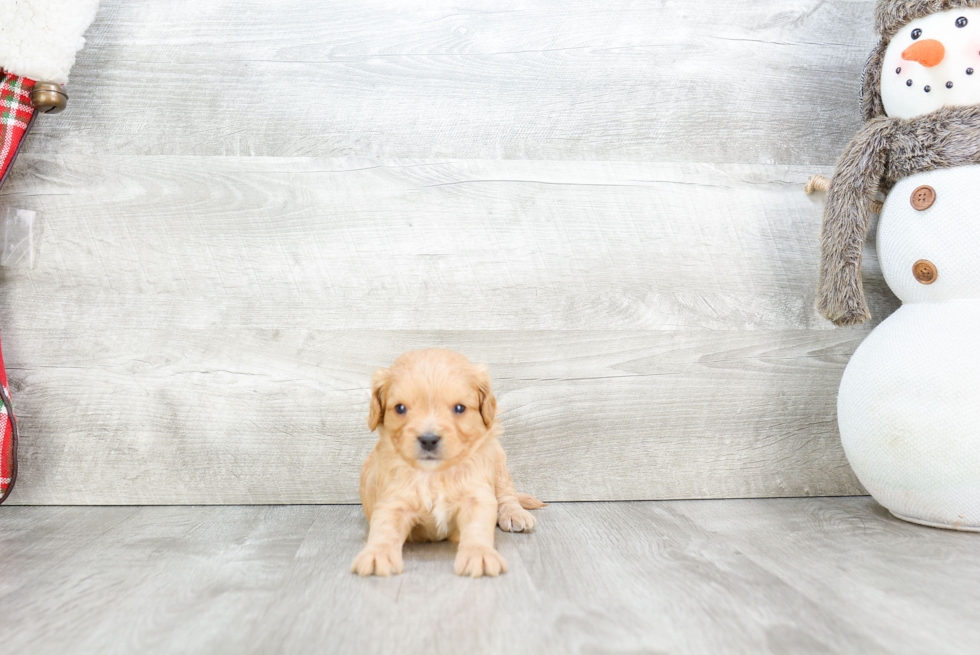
[[8, 437], [16, 113], [40, 42]]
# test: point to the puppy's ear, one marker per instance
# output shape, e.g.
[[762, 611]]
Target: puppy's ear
[[488, 402], [379, 393]]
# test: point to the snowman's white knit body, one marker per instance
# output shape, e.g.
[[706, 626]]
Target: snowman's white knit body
[[909, 403]]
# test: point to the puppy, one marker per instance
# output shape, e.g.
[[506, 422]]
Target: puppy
[[438, 471]]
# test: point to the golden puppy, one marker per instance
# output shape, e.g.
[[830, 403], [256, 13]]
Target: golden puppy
[[438, 471]]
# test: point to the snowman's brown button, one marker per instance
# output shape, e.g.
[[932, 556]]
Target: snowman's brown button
[[925, 271], [923, 198]]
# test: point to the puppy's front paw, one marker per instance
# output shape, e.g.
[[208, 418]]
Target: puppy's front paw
[[511, 517], [378, 560], [477, 561]]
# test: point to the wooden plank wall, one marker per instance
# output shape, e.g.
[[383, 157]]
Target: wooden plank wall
[[250, 205]]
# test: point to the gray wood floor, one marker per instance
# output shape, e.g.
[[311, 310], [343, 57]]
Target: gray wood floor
[[249, 205], [765, 576]]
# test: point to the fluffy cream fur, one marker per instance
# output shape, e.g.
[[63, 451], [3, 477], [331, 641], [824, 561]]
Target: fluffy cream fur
[[39, 38], [461, 490]]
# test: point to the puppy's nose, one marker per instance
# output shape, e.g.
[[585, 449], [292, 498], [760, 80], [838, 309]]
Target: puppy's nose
[[429, 441]]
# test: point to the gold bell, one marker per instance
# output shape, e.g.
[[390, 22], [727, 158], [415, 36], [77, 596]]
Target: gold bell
[[49, 98]]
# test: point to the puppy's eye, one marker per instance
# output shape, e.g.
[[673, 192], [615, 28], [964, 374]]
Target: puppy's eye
[[459, 409], [916, 33], [401, 409]]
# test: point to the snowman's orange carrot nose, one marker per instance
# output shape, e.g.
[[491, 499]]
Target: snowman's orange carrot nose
[[929, 53]]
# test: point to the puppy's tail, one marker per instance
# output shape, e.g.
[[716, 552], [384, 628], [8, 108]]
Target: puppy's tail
[[528, 501]]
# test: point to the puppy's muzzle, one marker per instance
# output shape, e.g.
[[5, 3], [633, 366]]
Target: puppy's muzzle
[[429, 442]]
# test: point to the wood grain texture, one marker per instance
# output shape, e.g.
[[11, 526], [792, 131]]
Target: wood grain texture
[[202, 330], [279, 416], [734, 81], [222, 243], [776, 576], [251, 205]]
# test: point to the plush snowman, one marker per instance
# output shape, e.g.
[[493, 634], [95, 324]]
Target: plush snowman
[[909, 403]]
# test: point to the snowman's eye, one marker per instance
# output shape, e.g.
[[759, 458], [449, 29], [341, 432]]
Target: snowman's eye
[[961, 21], [916, 33]]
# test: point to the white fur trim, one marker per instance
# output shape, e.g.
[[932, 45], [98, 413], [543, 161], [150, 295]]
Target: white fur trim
[[39, 38]]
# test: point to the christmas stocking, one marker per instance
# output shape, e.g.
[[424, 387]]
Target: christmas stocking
[[16, 115], [8, 438], [38, 43]]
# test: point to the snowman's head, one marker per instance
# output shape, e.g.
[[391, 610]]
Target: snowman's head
[[895, 23], [932, 62]]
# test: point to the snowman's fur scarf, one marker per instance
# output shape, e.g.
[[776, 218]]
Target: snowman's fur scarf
[[884, 152], [890, 17]]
